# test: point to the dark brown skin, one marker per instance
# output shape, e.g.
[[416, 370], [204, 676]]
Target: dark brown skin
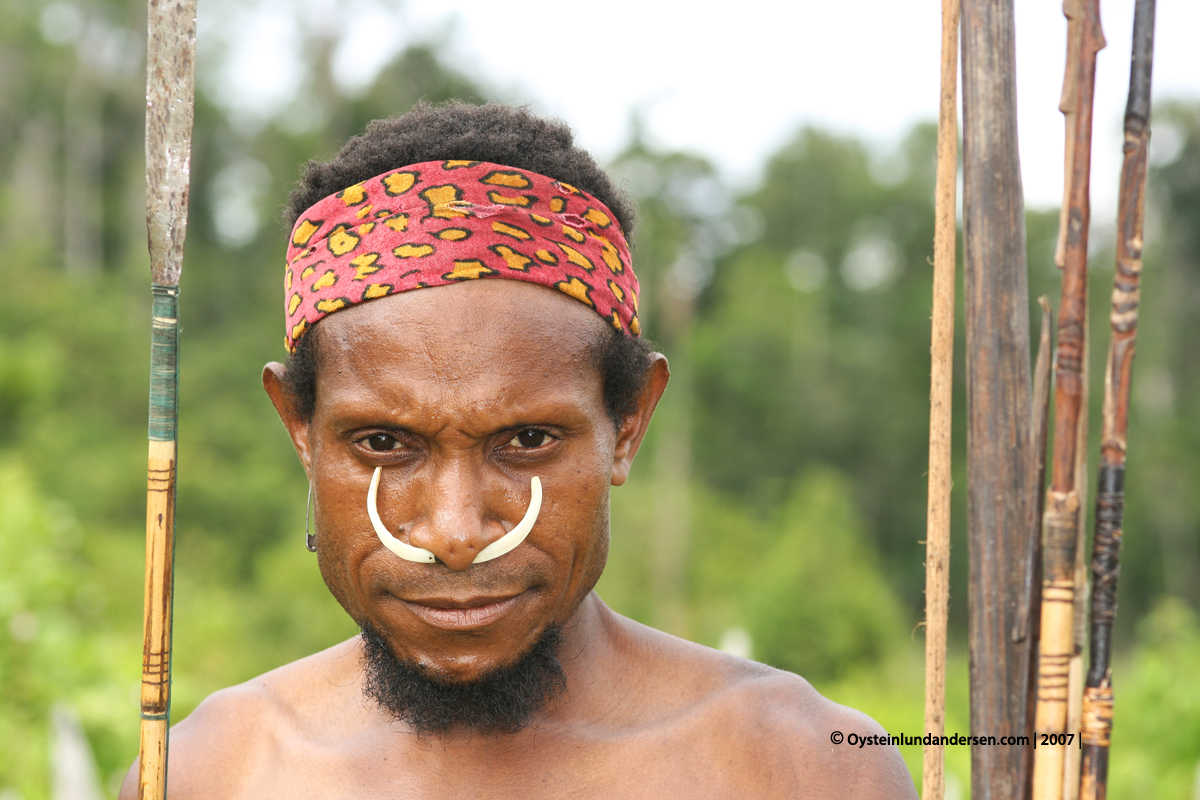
[[449, 377]]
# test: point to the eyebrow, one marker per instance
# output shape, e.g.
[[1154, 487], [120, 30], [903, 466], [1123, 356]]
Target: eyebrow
[[565, 414]]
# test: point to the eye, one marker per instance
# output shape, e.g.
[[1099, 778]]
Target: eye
[[381, 442], [529, 438]]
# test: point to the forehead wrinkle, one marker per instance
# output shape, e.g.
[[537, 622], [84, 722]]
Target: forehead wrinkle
[[509, 312], [472, 404], [470, 348], [472, 414], [472, 342], [475, 382]]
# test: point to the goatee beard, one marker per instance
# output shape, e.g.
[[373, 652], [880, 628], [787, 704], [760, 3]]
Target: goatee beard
[[500, 702]]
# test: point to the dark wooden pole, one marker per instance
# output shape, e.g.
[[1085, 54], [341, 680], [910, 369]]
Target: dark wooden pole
[[1001, 474]]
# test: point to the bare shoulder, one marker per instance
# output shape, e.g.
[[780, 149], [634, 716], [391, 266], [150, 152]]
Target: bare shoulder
[[805, 733], [235, 732], [772, 732]]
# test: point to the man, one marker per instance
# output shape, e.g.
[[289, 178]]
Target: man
[[460, 442]]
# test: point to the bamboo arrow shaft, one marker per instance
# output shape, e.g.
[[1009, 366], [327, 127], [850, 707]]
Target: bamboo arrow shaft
[[170, 89], [1062, 503]]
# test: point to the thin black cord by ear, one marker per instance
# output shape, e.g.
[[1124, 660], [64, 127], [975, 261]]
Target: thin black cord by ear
[[310, 541]]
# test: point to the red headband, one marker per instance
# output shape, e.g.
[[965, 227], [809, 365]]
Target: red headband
[[442, 222]]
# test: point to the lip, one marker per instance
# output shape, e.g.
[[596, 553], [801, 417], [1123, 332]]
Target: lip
[[462, 615]]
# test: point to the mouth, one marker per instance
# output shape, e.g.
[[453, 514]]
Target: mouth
[[462, 614]]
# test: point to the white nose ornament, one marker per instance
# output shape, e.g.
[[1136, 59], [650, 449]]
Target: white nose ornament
[[505, 543]]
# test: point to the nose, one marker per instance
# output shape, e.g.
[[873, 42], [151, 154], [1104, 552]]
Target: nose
[[457, 523]]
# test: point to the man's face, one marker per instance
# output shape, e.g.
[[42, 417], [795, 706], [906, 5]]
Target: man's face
[[462, 394]]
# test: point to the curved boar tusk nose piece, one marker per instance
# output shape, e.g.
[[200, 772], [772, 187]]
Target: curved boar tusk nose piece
[[517, 535], [504, 544], [402, 549]]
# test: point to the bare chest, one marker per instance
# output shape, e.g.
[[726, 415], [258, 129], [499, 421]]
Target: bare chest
[[655, 764]]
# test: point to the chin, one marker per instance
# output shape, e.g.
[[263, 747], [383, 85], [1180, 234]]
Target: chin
[[503, 699]]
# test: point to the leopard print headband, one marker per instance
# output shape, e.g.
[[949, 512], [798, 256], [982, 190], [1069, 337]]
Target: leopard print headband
[[442, 222]]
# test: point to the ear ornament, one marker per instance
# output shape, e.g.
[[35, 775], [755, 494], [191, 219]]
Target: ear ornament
[[310, 541]]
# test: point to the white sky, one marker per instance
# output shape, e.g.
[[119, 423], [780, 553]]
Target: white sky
[[735, 83]]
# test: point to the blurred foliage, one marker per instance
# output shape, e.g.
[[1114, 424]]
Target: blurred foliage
[[1158, 755], [777, 508]]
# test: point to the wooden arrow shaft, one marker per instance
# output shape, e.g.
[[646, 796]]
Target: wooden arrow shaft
[[937, 533], [1110, 497]]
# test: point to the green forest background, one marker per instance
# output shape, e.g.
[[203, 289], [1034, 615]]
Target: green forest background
[[777, 508]]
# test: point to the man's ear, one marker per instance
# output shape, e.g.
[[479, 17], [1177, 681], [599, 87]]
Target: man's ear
[[633, 428], [281, 398]]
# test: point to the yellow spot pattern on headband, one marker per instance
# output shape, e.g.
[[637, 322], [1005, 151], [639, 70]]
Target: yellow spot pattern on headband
[[399, 183], [468, 270], [304, 232], [577, 289], [413, 250], [511, 257], [364, 265], [342, 241]]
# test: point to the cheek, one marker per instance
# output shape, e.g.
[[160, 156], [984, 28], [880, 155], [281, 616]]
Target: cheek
[[333, 572], [340, 516], [597, 555], [583, 525]]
